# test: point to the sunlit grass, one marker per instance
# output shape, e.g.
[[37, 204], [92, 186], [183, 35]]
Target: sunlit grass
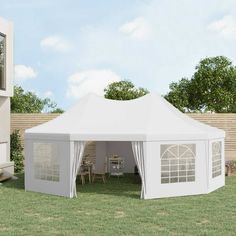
[[114, 208]]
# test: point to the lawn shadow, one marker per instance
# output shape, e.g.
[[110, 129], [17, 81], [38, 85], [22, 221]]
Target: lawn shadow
[[127, 186], [17, 183]]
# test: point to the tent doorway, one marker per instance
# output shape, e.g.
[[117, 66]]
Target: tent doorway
[[111, 157], [103, 155], [106, 161]]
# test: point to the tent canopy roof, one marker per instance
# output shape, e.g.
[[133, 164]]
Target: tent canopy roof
[[149, 118]]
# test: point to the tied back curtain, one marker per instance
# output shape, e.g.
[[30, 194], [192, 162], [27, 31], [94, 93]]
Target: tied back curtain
[[79, 147], [138, 152]]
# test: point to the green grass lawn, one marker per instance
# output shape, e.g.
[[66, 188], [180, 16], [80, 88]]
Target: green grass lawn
[[114, 208]]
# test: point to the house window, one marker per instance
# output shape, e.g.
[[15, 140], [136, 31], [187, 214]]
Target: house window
[[2, 62], [177, 163], [216, 159], [46, 161]]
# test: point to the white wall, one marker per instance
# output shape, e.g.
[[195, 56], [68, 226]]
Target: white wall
[[6, 28], [5, 127]]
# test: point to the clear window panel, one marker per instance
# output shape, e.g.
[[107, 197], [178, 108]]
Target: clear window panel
[[190, 178], [174, 180], [165, 174], [46, 161], [216, 158], [182, 179], [174, 174], [165, 168], [178, 163], [182, 173]]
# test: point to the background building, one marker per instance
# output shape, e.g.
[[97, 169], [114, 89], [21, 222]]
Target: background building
[[6, 91]]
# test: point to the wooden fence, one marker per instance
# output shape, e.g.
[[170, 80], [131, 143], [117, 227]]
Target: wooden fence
[[226, 121]]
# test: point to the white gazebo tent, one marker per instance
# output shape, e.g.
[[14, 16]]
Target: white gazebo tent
[[175, 154]]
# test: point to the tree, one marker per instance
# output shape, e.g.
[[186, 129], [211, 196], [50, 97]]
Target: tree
[[179, 94], [29, 102], [124, 90], [57, 110], [211, 88]]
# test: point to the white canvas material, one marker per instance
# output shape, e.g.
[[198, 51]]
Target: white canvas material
[[149, 118], [150, 124], [139, 159], [78, 155]]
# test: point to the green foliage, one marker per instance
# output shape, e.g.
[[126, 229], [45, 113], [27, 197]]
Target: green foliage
[[211, 88], [25, 102], [57, 110], [29, 102], [16, 151], [179, 94], [123, 90]]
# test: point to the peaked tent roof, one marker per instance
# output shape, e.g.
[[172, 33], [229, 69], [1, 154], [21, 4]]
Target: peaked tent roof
[[148, 118]]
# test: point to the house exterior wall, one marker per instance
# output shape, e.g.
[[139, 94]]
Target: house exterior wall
[[5, 128], [6, 29]]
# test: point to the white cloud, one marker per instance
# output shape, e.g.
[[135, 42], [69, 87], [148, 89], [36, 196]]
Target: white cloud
[[48, 94], [81, 83], [136, 29], [55, 43], [23, 73], [225, 26]]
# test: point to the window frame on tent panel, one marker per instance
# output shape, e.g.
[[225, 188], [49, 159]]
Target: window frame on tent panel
[[216, 158], [178, 163], [46, 161]]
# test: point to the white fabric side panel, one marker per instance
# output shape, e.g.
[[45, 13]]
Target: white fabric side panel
[[156, 189], [219, 181], [78, 155], [138, 151], [62, 153]]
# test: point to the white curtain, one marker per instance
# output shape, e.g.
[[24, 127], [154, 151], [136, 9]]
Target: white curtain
[[78, 155], [138, 152]]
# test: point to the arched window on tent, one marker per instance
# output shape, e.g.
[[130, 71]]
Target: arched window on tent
[[178, 163]]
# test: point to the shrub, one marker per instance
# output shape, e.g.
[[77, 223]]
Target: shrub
[[16, 151]]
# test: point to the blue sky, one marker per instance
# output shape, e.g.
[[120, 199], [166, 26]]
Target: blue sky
[[67, 48]]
